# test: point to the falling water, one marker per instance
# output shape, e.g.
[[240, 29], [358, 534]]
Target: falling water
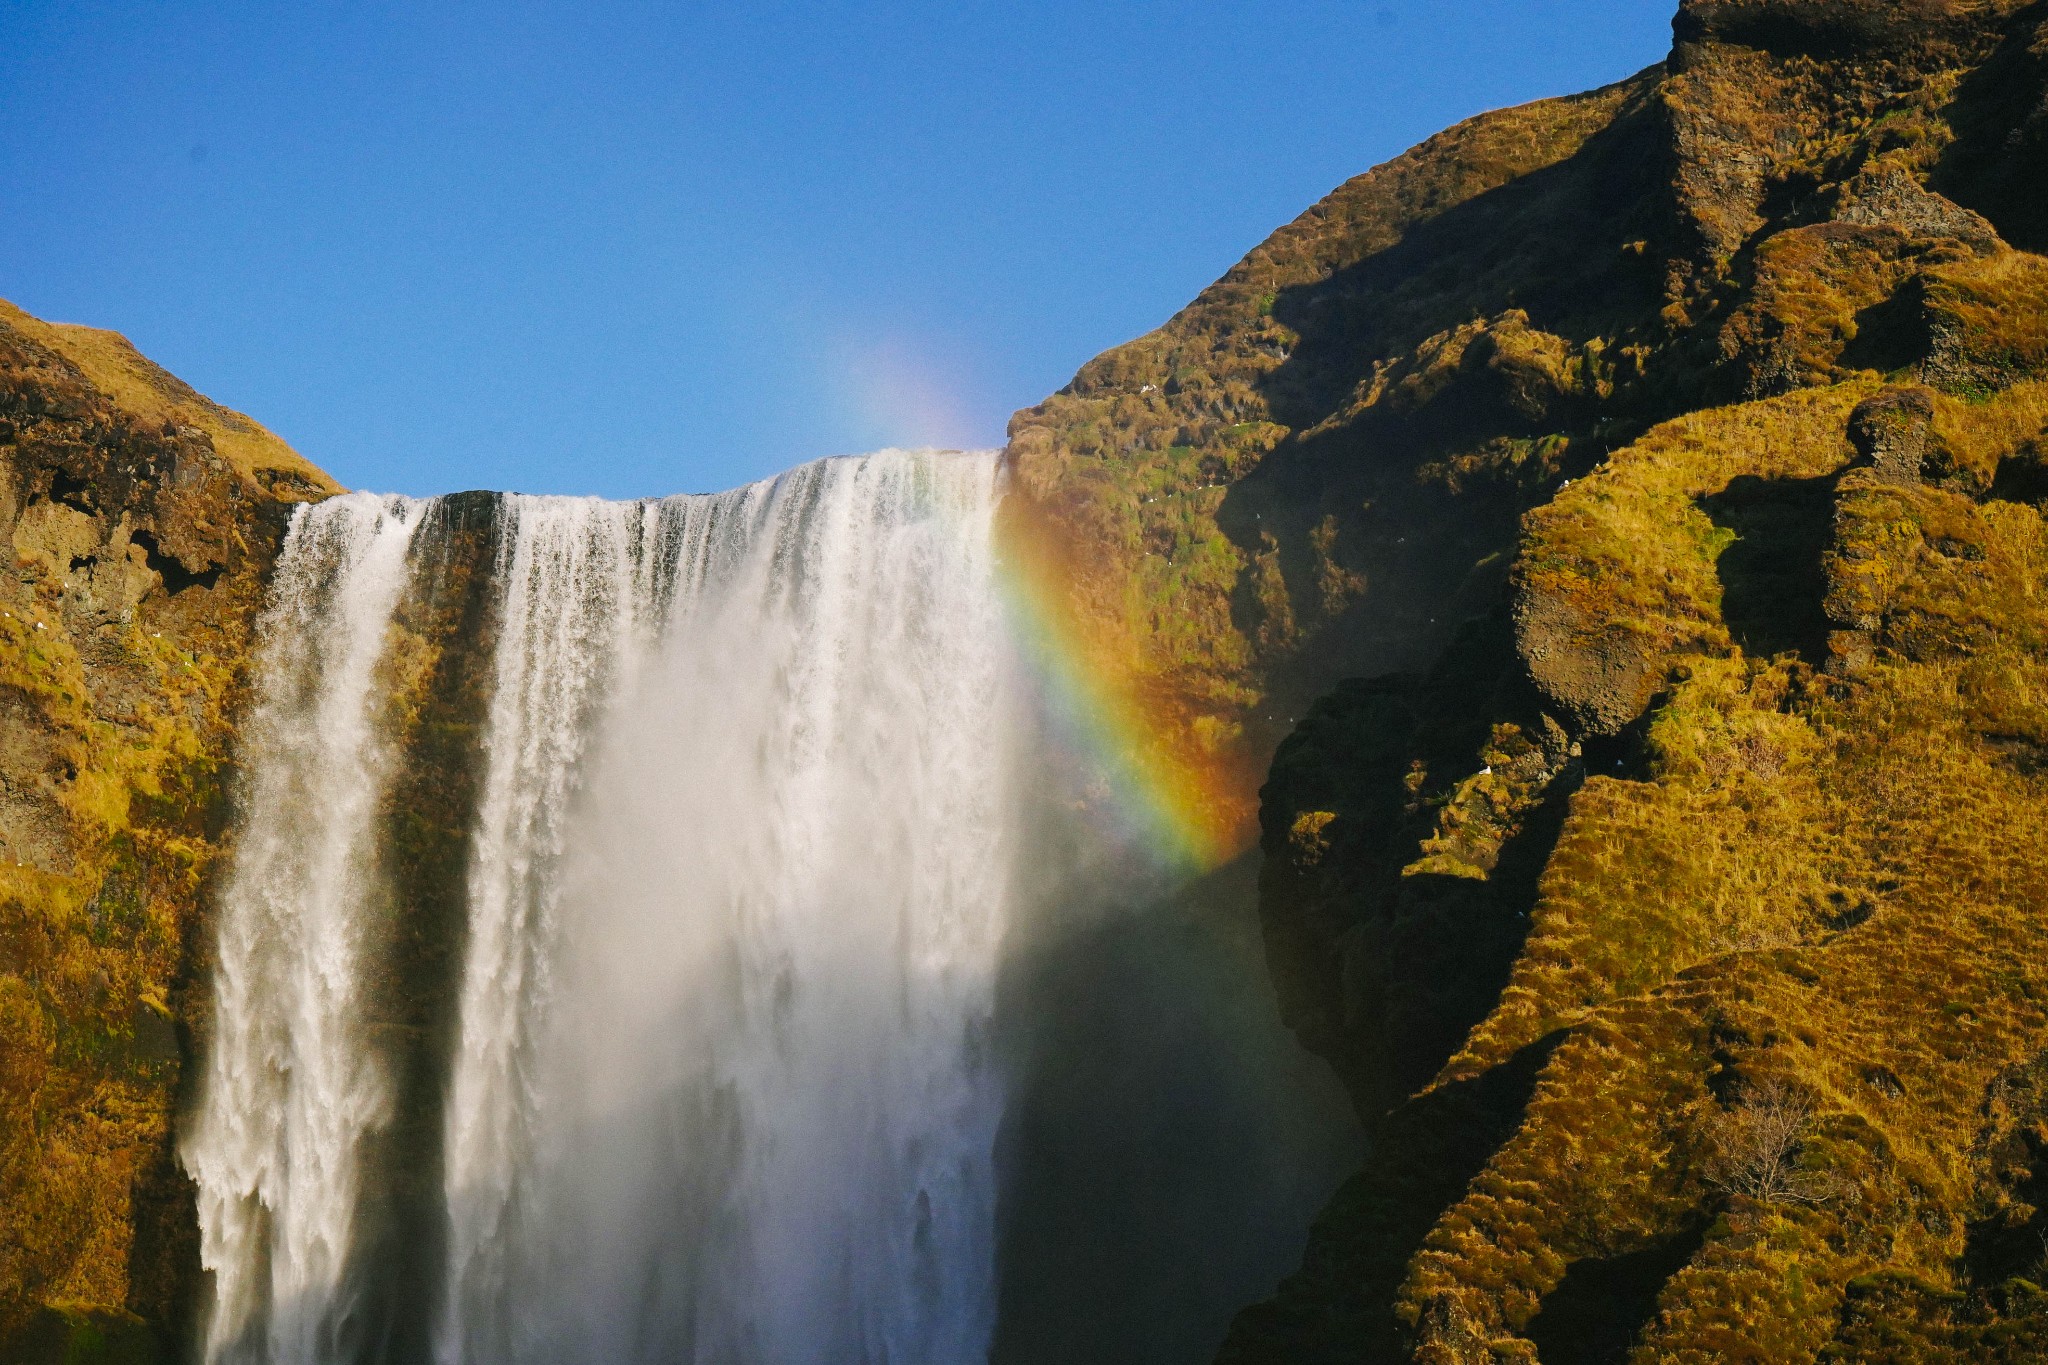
[[721, 1088], [574, 591], [291, 1093]]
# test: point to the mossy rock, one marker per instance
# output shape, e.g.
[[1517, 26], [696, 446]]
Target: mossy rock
[[79, 1334]]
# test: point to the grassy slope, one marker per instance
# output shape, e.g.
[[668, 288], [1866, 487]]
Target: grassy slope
[[150, 394], [1718, 815], [1227, 485]]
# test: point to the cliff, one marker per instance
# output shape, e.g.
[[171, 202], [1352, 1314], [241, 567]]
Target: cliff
[[140, 519], [1665, 465]]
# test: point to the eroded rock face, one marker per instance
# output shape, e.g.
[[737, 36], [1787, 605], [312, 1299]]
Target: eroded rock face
[[1719, 851], [1835, 28], [1599, 674], [1888, 195], [1893, 432], [139, 520]]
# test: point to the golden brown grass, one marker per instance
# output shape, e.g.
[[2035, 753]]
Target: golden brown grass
[[154, 396], [120, 723], [1990, 319]]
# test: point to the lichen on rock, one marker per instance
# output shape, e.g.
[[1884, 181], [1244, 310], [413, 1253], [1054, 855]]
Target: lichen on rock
[[141, 520]]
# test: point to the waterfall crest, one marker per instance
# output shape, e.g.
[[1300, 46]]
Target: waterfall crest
[[720, 1086]]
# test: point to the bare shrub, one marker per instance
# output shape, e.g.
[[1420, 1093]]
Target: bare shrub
[[1757, 1144]]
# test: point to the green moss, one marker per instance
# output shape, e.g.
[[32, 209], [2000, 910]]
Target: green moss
[[122, 713], [1805, 725], [76, 1334]]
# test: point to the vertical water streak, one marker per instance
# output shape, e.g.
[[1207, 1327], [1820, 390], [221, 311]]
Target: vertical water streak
[[292, 1085], [574, 577]]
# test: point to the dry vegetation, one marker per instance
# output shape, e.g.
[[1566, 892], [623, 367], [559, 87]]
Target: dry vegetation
[[1665, 467], [1680, 930], [136, 554]]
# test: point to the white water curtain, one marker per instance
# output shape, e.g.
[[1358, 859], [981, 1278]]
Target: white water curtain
[[722, 1088]]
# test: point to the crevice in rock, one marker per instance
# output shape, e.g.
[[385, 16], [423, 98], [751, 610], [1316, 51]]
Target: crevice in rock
[[172, 570]]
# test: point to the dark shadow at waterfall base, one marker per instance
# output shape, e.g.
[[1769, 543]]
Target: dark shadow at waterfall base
[[1167, 1143]]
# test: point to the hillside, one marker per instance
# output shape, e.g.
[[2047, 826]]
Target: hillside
[[1664, 468], [1317, 468], [140, 519]]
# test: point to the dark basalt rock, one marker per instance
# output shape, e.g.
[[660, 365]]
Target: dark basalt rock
[[1833, 28], [1893, 432], [1890, 196]]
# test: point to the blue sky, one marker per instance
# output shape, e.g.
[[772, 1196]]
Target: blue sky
[[634, 248]]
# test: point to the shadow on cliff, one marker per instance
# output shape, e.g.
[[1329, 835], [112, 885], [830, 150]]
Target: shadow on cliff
[[1999, 159], [1386, 965], [1597, 1314], [399, 1242], [1417, 498], [1550, 242], [1168, 1142], [1338, 1309], [1773, 579], [1393, 931]]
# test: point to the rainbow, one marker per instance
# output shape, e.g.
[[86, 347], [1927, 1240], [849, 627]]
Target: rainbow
[[1195, 809]]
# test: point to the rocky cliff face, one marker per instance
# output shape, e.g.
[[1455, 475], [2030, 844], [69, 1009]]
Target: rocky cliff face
[[139, 519], [1318, 467], [1668, 463], [145, 521]]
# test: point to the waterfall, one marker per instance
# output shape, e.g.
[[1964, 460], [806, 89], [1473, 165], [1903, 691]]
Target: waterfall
[[721, 1085], [292, 1085], [573, 576]]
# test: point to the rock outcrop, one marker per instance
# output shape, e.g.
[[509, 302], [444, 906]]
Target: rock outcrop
[[141, 519]]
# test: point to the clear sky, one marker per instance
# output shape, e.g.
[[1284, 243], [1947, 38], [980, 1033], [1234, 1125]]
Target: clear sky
[[636, 248]]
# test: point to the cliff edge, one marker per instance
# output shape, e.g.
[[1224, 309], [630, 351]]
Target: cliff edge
[[1620, 521]]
